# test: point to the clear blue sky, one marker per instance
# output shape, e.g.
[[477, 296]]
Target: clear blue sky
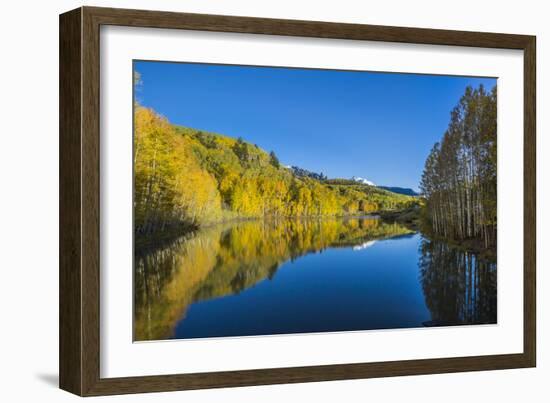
[[379, 126]]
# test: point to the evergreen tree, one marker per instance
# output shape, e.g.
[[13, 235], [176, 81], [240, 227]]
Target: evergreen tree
[[273, 160]]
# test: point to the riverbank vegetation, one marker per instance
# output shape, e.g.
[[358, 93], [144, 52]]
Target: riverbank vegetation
[[186, 178], [409, 217], [459, 182]]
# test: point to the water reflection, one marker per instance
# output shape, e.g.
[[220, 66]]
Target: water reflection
[[227, 259], [459, 287], [254, 277]]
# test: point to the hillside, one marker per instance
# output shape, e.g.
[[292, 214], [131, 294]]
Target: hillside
[[186, 178], [400, 190]]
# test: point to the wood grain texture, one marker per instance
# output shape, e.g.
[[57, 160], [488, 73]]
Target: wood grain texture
[[90, 202], [70, 314], [530, 202], [80, 200], [316, 29]]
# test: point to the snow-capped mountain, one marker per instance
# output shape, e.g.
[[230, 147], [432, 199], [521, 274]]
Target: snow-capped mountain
[[363, 181]]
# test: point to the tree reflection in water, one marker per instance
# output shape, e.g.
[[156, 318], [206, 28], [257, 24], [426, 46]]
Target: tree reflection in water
[[459, 287], [229, 258]]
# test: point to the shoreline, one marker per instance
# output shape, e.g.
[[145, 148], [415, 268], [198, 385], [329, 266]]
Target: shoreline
[[166, 236], [466, 245], [409, 218]]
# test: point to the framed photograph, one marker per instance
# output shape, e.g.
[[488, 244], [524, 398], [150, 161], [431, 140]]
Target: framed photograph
[[249, 201]]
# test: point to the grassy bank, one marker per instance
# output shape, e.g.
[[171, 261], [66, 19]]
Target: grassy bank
[[413, 219], [409, 217]]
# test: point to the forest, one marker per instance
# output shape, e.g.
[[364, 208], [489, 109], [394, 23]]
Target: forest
[[186, 178], [459, 182]]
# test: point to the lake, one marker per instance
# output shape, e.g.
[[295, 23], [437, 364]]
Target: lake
[[285, 276]]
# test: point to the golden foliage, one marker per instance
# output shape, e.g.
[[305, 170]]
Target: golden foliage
[[227, 258], [186, 178]]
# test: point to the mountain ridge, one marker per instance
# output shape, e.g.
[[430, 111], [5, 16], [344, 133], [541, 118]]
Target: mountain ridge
[[393, 189], [400, 190]]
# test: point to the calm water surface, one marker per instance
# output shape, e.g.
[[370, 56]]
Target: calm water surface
[[301, 276]]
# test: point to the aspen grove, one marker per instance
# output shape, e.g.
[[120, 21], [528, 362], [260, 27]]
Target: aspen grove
[[459, 181]]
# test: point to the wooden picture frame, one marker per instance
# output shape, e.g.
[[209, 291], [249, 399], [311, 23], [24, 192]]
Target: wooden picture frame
[[79, 346]]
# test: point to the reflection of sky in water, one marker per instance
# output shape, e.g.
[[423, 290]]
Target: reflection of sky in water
[[335, 290], [258, 278]]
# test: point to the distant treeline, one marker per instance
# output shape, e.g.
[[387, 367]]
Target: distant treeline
[[186, 178], [305, 173], [460, 175]]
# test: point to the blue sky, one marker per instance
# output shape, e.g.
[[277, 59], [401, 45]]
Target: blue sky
[[380, 126]]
